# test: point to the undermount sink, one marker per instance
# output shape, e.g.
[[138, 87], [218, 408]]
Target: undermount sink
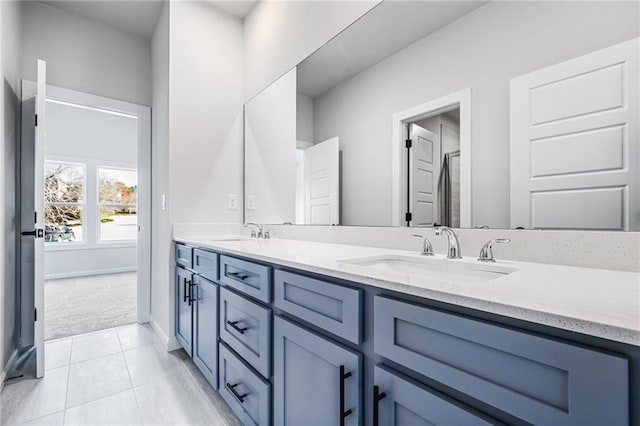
[[434, 268], [230, 238]]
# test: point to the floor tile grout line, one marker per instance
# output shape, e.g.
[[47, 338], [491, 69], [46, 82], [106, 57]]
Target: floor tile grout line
[[133, 389], [66, 394]]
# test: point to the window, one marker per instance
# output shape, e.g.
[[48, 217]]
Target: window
[[117, 204], [64, 185]]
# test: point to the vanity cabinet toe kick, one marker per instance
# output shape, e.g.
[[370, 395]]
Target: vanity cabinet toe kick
[[288, 347]]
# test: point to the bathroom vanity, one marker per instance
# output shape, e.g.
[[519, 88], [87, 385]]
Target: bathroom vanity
[[293, 332]]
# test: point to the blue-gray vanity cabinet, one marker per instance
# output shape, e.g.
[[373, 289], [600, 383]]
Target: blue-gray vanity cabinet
[[184, 256], [252, 279], [248, 394], [400, 401], [184, 313], [539, 380], [205, 263], [335, 308], [205, 329], [316, 381], [246, 327]]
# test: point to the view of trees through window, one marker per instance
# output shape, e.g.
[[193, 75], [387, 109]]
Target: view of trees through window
[[65, 204], [117, 201], [64, 201]]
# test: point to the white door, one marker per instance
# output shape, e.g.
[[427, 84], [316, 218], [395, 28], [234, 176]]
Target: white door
[[574, 143], [425, 168], [322, 183], [33, 227]]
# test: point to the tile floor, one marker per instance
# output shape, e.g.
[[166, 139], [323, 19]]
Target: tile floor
[[120, 376], [81, 305]]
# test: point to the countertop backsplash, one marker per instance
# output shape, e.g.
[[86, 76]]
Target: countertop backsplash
[[590, 249]]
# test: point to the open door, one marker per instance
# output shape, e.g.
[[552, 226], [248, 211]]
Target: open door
[[33, 228], [322, 183], [425, 169]]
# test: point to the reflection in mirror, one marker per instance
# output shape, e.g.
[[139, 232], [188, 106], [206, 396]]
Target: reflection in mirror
[[467, 114]]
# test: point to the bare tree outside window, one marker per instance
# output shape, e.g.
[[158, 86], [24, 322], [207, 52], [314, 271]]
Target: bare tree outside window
[[64, 201]]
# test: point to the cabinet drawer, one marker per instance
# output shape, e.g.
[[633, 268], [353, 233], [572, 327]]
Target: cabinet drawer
[[539, 380], [184, 255], [333, 307], [205, 263], [246, 327], [401, 401], [247, 277], [248, 395]]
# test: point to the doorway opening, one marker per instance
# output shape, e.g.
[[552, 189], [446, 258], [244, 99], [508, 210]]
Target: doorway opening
[[431, 163], [91, 196]]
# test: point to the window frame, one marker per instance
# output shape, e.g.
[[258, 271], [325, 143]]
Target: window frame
[[82, 205]]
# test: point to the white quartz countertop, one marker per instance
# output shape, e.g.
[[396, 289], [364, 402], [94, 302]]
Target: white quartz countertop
[[597, 302]]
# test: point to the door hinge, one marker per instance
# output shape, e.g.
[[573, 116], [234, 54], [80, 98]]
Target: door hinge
[[408, 143], [36, 120], [407, 217], [35, 314]]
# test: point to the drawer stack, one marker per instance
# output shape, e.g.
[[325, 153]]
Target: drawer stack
[[245, 339]]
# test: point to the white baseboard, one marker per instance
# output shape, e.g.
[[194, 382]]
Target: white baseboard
[[90, 273], [170, 343], [5, 370]]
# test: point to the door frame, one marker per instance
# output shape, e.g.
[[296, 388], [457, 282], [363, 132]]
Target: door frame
[[143, 113], [460, 99]]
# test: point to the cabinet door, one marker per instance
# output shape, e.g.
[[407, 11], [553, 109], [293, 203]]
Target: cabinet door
[[316, 381], [184, 313], [205, 328], [399, 401]]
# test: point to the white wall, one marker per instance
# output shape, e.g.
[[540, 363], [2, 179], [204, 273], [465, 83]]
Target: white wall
[[161, 255], [304, 118], [482, 50], [270, 152], [10, 33], [197, 142], [85, 55], [280, 34], [94, 138]]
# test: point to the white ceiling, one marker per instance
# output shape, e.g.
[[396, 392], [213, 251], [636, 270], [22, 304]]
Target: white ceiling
[[135, 17], [386, 29], [239, 8]]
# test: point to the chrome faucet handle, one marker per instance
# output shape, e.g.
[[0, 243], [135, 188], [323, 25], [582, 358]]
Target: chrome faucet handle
[[486, 253], [266, 234], [255, 232], [427, 249], [453, 250]]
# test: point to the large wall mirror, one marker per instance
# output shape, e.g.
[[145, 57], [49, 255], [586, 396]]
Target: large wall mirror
[[466, 114]]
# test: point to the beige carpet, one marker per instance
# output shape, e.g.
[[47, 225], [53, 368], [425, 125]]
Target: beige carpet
[[81, 305]]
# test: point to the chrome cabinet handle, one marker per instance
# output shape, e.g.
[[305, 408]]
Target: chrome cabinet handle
[[238, 275]]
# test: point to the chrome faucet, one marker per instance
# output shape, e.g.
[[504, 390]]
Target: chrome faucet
[[486, 253], [259, 231], [453, 251], [427, 249], [256, 230]]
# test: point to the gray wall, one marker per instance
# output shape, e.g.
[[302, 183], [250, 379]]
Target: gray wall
[[482, 50], [10, 33], [85, 55]]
